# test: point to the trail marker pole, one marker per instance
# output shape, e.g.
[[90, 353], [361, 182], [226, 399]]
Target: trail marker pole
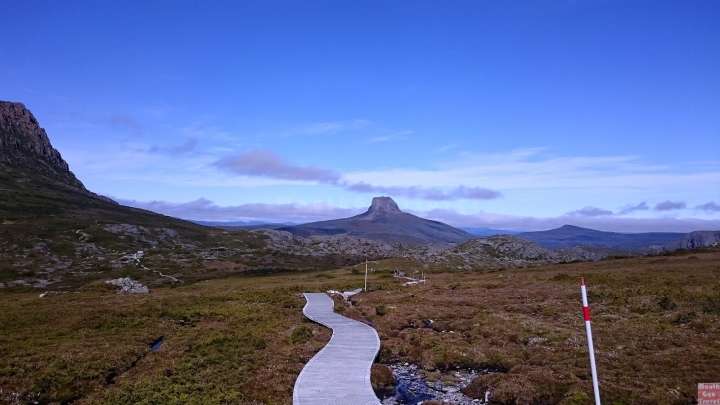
[[586, 311], [366, 263]]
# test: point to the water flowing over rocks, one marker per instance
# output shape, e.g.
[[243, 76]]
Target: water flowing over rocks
[[412, 389]]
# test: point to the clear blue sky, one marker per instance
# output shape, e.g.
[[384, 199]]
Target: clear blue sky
[[514, 115]]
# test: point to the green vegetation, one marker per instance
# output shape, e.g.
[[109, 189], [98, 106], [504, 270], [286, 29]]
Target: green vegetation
[[301, 334]]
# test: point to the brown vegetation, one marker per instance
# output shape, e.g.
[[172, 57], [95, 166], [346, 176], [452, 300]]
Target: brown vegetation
[[244, 339], [656, 327]]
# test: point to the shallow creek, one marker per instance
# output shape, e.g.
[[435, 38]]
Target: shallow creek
[[412, 389]]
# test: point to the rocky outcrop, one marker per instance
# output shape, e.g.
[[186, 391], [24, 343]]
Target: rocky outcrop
[[25, 145], [494, 252], [695, 240], [384, 221], [128, 286], [508, 251], [381, 207]]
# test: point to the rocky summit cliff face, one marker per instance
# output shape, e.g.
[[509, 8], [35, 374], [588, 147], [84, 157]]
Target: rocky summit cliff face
[[25, 145], [386, 222], [380, 208]]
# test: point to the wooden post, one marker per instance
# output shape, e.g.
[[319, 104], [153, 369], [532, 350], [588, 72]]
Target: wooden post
[[366, 263]]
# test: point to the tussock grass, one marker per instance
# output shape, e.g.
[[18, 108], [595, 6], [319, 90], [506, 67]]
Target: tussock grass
[[244, 339], [655, 322], [232, 341]]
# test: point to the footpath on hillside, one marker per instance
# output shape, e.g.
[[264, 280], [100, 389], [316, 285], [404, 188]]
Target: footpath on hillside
[[340, 373]]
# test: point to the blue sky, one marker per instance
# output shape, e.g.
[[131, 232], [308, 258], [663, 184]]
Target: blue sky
[[520, 115]]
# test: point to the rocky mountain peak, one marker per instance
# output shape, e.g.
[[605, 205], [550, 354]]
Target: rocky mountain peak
[[384, 204], [23, 143], [26, 146]]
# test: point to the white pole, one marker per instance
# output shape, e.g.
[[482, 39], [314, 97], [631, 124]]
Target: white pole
[[586, 311], [365, 275]]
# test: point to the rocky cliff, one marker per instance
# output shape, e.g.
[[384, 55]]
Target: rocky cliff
[[695, 240], [25, 145]]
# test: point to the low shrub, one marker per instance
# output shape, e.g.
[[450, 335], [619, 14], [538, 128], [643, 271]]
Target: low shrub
[[301, 334], [382, 380]]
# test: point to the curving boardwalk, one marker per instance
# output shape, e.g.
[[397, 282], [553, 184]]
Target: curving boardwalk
[[340, 373]]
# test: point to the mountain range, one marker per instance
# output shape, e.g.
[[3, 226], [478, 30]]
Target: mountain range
[[649, 242], [568, 236]]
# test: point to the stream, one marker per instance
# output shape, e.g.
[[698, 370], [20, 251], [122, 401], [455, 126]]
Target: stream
[[412, 389]]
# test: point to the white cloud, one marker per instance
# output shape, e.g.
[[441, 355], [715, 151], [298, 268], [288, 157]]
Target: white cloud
[[207, 210], [603, 223], [391, 137], [432, 194], [268, 164], [265, 163], [532, 169], [203, 209], [200, 129], [626, 209], [590, 212], [332, 127], [446, 148], [709, 207], [670, 205]]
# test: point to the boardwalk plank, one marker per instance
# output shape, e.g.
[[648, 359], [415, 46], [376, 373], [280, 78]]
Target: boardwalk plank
[[340, 373]]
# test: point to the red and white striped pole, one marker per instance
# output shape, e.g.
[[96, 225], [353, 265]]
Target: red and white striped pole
[[586, 310]]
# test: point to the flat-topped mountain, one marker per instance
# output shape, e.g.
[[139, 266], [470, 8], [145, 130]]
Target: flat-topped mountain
[[385, 221]]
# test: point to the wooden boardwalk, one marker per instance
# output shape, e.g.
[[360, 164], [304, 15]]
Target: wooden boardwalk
[[340, 373]]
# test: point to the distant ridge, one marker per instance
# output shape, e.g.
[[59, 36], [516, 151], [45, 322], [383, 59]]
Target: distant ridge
[[235, 225], [385, 221], [573, 236], [483, 231]]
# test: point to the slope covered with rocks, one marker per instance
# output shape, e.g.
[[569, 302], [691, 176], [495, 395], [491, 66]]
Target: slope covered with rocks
[[493, 252]]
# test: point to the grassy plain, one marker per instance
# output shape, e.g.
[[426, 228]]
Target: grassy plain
[[243, 339]]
